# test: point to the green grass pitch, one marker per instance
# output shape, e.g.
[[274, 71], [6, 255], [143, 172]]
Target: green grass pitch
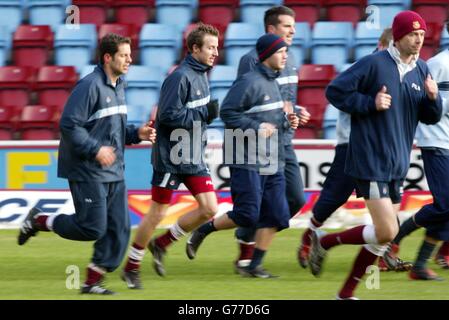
[[38, 271]]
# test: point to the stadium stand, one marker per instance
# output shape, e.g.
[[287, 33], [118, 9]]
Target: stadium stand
[[92, 11], [135, 12], [46, 12], [432, 10], [159, 44], [75, 46], [38, 122], [144, 84], [7, 125], [344, 10], [11, 14], [330, 122], [239, 39], [53, 85], [16, 84], [177, 12], [32, 45], [331, 39], [306, 10]]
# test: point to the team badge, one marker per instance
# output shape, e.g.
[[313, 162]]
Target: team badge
[[198, 93], [266, 98], [108, 100], [416, 25]]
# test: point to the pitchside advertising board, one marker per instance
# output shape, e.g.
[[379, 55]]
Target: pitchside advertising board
[[28, 178]]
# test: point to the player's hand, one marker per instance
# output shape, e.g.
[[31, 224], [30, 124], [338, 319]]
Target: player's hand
[[304, 116], [293, 120], [147, 132], [383, 100], [431, 88], [106, 156], [212, 110], [266, 129]]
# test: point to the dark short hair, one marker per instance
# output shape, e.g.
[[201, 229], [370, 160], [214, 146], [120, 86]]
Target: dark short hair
[[271, 17], [196, 36], [110, 43]]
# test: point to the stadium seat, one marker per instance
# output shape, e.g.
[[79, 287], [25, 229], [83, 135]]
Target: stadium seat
[[54, 84], [38, 122], [251, 11], [330, 122], [176, 12], [31, 45], [46, 12], [86, 70], [331, 39], [344, 10], [313, 80], [132, 11], [217, 12], [75, 47], [307, 132], [387, 10], [144, 84], [92, 11], [137, 115], [239, 39], [11, 13], [306, 10], [15, 85], [125, 30], [5, 45], [220, 80], [7, 123], [431, 41], [366, 40], [159, 45], [432, 10], [301, 43], [444, 42]]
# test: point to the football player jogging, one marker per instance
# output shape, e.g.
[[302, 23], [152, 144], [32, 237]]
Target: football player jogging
[[184, 110], [91, 157], [386, 93], [253, 108], [280, 21]]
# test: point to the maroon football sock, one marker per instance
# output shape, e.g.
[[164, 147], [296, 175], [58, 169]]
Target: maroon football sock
[[350, 236]]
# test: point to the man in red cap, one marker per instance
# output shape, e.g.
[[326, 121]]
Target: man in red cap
[[387, 94]]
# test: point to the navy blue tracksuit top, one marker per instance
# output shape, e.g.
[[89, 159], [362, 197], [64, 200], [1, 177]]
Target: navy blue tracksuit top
[[182, 105], [254, 98], [94, 116], [381, 141]]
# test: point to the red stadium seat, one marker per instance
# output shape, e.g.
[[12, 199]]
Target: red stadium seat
[[313, 79], [125, 30], [38, 123], [7, 123], [92, 11], [31, 45], [432, 10], [307, 132], [15, 85], [216, 12], [132, 11], [431, 41], [306, 10], [54, 84], [344, 10]]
